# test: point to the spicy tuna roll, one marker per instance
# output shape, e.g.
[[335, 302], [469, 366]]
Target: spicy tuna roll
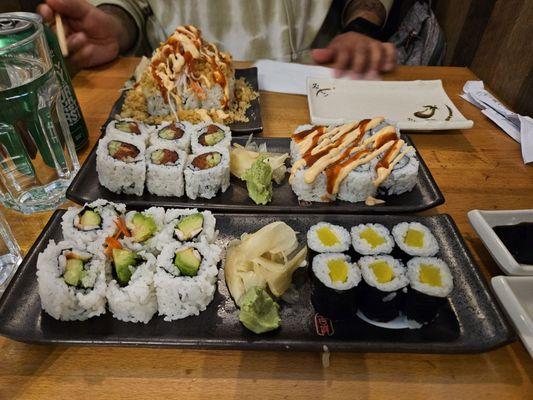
[[72, 282], [334, 285], [190, 225], [206, 173], [324, 237], [178, 133], [129, 127], [415, 239], [431, 282], [186, 278], [383, 288], [120, 164], [369, 239], [164, 170], [210, 136]]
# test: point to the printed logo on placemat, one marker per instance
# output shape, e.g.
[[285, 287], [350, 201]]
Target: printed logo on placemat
[[323, 326]]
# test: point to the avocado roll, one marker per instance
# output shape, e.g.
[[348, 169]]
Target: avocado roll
[[164, 170], [131, 293], [72, 282], [371, 239], [431, 282], [403, 176], [207, 173], [129, 127], [415, 239], [190, 225], [210, 136], [120, 163], [383, 288], [186, 278], [145, 229], [334, 284], [176, 133], [324, 237]]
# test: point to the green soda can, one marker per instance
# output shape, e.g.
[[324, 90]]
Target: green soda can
[[71, 107]]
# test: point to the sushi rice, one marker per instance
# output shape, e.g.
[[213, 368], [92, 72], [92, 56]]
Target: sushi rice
[[206, 183], [199, 129], [144, 130], [165, 180], [322, 272], [339, 236], [403, 177], [363, 246], [173, 216], [413, 274], [429, 247], [183, 143], [155, 243], [399, 280]]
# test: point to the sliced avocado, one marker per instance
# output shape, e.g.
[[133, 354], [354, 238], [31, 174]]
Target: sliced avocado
[[189, 226], [187, 261], [123, 259], [73, 272], [214, 159], [142, 227], [90, 218], [113, 146], [213, 138]]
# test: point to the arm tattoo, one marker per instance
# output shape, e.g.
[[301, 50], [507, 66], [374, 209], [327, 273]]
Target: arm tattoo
[[372, 10]]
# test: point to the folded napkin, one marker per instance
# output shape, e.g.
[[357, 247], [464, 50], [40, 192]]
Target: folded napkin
[[519, 127]]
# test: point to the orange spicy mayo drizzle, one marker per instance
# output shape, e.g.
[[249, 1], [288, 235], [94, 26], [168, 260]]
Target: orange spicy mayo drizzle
[[298, 137], [332, 172]]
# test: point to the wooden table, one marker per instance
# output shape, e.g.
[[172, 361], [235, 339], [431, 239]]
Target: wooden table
[[477, 168]]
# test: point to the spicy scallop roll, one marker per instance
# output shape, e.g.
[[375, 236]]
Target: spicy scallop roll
[[190, 225], [210, 136], [164, 169], [72, 282], [371, 239], [383, 288], [129, 127], [207, 173], [334, 283], [431, 282], [178, 133], [415, 239], [120, 163], [324, 237]]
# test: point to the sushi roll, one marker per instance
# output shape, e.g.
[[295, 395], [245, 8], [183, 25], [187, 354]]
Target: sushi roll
[[190, 225], [164, 170], [206, 173], [146, 230], [186, 278], [129, 127], [415, 239], [131, 293], [72, 282], [334, 284], [358, 185], [209, 137], [315, 191], [431, 282], [90, 225], [403, 176], [328, 238], [371, 239], [120, 163], [178, 133], [383, 288], [299, 134]]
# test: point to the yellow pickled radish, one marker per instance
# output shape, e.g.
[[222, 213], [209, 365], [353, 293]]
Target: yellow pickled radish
[[430, 275], [327, 237], [382, 271], [373, 238], [338, 270], [414, 238]]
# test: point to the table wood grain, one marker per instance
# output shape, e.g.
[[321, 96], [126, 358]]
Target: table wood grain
[[476, 168]]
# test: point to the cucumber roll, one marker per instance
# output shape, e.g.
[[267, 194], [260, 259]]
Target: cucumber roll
[[431, 282], [328, 238], [72, 282], [178, 133], [129, 127], [415, 239], [210, 136], [164, 172], [190, 225], [383, 288], [206, 173], [146, 230], [358, 185], [120, 163], [334, 285], [186, 278], [403, 176], [371, 239], [131, 293]]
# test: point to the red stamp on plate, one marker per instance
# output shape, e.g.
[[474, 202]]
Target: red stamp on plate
[[323, 326]]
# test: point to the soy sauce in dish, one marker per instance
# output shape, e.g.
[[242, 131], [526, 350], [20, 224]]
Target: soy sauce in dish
[[518, 239]]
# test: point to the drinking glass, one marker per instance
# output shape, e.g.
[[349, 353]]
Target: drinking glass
[[10, 257], [37, 155]]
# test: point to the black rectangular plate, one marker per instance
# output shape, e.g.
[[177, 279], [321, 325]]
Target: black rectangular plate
[[426, 194], [470, 322], [254, 124]]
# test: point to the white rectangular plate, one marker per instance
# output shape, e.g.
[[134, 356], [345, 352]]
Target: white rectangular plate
[[333, 101]]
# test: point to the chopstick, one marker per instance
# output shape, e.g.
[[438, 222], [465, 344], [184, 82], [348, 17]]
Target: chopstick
[[60, 32]]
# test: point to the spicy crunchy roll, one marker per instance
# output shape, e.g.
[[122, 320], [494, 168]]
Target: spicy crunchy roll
[[207, 173]]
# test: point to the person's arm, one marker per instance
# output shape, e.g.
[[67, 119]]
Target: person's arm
[[129, 35]]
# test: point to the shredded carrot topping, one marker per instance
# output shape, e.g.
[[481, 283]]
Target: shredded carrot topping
[[112, 243], [121, 225]]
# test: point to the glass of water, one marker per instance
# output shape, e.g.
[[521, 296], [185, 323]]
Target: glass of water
[[37, 155], [10, 257]]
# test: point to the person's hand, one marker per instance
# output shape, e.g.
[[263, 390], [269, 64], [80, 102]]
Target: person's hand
[[93, 36], [357, 55]]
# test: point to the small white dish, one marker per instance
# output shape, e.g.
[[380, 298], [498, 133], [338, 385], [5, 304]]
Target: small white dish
[[484, 221], [515, 294], [333, 101]]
